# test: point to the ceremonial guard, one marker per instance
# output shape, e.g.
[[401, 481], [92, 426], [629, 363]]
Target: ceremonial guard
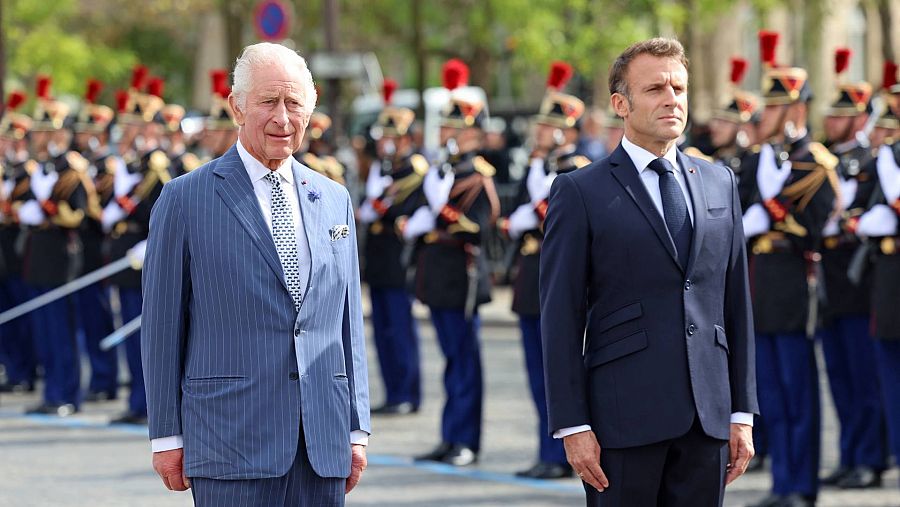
[[796, 184], [393, 189], [555, 136], [91, 130], [452, 275], [62, 193], [879, 226], [181, 161], [732, 128], [316, 152], [16, 341], [847, 345], [136, 188], [220, 130]]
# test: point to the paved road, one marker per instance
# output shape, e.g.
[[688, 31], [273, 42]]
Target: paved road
[[83, 461]]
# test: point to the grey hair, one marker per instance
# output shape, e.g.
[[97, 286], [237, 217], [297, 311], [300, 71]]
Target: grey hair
[[266, 53]]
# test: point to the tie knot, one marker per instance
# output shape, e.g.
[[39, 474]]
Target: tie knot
[[661, 166], [272, 178]]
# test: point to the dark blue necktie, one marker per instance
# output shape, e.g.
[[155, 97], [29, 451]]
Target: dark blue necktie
[[674, 209]]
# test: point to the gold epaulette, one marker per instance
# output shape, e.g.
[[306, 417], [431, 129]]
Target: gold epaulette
[[419, 164], [822, 156], [77, 162], [483, 167], [66, 217], [694, 152], [189, 162], [313, 162], [580, 161], [111, 165], [158, 172], [31, 166]]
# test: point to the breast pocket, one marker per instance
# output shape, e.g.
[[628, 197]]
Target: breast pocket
[[717, 212]]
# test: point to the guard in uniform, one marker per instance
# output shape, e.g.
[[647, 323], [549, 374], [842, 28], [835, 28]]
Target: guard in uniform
[[452, 275], [848, 348], [16, 342], [135, 190], [95, 316], [880, 229], [220, 132], [393, 189], [731, 127], [181, 161], [315, 152], [887, 126], [796, 185], [62, 193], [555, 152]]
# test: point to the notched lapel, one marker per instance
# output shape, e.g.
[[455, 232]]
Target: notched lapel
[[694, 180], [235, 188], [311, 214]]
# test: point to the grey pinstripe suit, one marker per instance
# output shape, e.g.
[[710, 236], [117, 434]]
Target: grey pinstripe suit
[[221, 339]]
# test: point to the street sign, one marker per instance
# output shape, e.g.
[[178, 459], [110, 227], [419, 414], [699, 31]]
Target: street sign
[[272, 20]]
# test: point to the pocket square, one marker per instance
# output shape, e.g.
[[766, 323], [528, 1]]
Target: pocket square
[[339, 232]]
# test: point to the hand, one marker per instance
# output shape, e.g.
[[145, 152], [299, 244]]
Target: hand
[[42, 184], [740, 447], [538, 182], [376, 183], [437, 189], [124, 181], [30, 213], [522, 219], [137, 253], [366, 213], [583, 453], [769, 177], [888, 173], [756, 221], [419, 223], [170, 467], [358, 465], [112, 214], [881, 220]]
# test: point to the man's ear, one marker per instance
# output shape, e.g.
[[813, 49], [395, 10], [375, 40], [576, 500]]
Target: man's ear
[[238, 113], [620, 104]]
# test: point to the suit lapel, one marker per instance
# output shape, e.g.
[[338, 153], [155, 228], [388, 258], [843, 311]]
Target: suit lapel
[[698, 200], [627, 175], [235, 188], [311, 214]]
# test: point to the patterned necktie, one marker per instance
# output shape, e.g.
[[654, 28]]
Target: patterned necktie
[[674, 209], [285, 238]]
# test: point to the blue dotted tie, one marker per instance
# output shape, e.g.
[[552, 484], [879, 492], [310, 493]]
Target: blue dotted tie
[[675, 209], [285, 238]]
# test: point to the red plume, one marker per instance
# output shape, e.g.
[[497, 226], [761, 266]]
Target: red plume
[[121, 100], [93, 90], [388, 89], [890, 75], [841, 60], [218, 78], [560, 74], [15, 99], [768, 41], [156, 86], [738, 69], [456, 74], [43, 87], [138, 75], [223, 90]]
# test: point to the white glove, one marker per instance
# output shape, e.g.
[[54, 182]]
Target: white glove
[[137, 253], [124, 181], [848, 192], [437, 189], [538, 182], [376, 183], [756, 221], [421, 222], [522, 219], [367, 213], [112, 214], [881, 220], [769, 178], [42, 184], [8, 187], [888, 173], [31, 213]]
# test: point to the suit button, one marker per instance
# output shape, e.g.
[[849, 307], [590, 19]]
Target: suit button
[[294, 376], [691, 329], [297, 332], [688, 284]]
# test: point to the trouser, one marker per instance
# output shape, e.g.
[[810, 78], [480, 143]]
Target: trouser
[[96, 323], [16, 338], [397, 343], [550, 450], [56, 345], [131, 301], [887, 357]]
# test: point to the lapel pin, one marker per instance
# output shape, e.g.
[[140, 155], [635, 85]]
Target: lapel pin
[[692, 170], [313, 195]]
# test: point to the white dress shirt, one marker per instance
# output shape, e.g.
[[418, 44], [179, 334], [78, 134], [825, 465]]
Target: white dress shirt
[[263, 190], [641, 159]]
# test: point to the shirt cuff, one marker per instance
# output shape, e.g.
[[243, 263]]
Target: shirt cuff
[[563, 433], [742, 418], [166, 443], [359, 437]]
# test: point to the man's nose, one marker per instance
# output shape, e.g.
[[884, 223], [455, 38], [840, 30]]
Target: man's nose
[[279, 115]]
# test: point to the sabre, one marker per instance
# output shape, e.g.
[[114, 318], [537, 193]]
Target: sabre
[[69, 288], [119, 335]]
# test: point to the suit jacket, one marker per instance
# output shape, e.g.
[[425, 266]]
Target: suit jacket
[[661, 345], [221, 338]]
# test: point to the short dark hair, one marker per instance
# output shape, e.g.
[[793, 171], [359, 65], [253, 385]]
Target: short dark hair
[[659, 46]]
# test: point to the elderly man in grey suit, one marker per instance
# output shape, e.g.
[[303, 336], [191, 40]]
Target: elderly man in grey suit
[[252, 341]]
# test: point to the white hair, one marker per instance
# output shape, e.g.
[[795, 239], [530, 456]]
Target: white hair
[[266, 53]]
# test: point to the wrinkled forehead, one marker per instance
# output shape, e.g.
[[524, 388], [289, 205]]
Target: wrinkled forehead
[[646, 69]]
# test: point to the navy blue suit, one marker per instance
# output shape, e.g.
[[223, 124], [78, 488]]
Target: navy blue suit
[[668, 352]]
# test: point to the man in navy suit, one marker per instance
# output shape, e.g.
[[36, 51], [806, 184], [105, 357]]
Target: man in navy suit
[[648, 343], [252, 333]]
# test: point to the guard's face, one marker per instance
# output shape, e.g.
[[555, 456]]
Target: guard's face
[[274, 118], [838, 127], [722, 132], [544, 136], [657, 111], [771, 121]]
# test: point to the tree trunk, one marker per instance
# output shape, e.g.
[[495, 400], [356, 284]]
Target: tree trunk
[[887, 30], [419, 54]]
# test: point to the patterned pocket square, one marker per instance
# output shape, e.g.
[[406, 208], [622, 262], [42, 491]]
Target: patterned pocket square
[[339, 232]]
